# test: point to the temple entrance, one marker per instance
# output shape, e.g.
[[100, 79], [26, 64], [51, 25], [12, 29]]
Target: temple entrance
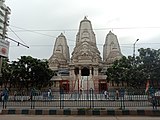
[[85, 71], [84, 80], [103, 86], [85, 83], [64, 84]]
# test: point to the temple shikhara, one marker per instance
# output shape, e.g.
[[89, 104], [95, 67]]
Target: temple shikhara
[[85, 69]]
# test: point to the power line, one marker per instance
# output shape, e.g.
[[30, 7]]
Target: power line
[[33, 31], [17, 35], [109, 28], [121, 45]]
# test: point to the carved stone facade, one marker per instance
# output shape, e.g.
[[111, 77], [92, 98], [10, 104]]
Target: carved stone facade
[[60, 57], [86, 65], [111, 49]]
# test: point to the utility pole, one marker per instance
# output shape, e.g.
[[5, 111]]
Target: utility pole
[[134, 48]]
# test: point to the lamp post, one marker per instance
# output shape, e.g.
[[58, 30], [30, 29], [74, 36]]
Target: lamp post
[[134, 48]]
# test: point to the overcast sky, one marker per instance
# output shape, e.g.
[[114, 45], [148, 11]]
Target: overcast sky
[[39, 22]]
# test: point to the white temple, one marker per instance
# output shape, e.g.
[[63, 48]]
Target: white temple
[[85, 69]]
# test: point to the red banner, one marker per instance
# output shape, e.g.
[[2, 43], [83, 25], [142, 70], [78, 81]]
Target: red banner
[[147, 86]]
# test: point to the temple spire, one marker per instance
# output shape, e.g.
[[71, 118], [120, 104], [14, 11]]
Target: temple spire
[[86, 49], [60, 56], [111, 48]]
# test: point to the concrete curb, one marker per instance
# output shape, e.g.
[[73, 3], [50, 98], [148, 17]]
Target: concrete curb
[[97, 112]]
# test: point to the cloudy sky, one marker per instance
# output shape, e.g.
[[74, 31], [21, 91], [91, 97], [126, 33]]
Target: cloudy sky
[[37, 23]]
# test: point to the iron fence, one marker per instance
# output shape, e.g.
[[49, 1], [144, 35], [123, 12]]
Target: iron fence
[[79, 99]]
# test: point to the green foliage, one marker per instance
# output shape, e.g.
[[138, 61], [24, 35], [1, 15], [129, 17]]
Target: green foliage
[[28, 72], [6, 72], [135, 72], [151, 64]]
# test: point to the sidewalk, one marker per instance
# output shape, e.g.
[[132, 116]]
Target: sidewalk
[[82, 111], [46, 117]]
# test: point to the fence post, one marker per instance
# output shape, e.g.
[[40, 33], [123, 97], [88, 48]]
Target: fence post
[[91, 98], [32, 98], [61, 98], [122, 91]]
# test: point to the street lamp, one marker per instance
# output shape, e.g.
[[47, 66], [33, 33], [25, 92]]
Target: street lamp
[[134, 48]]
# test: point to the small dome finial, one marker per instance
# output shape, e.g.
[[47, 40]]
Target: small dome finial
[[110, 32], [85, 17], [61, 35]]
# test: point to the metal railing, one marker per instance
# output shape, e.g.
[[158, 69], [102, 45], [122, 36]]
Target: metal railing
[[77, 99]]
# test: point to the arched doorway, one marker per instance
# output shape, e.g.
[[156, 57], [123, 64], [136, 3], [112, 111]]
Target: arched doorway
[[64, 85], [103, 86], [85, 71]]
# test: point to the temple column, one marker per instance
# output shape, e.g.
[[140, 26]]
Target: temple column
[[80, 71], [95, 71], [90, 72], [79, 80], [72, 74], [72, 78]]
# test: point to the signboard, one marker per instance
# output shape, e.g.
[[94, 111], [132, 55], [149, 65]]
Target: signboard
[[4, 48]]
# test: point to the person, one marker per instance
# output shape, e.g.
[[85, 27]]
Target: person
[[81, 91], [15, 94], [117, 94], [154, 102], [151, 91], [22, 95], [106, 94], [122, 92], [5, 95], [32, 94], [62, 93], [50, 93], [1, 94]]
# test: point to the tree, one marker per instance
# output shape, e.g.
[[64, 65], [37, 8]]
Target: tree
[[151, 64], [127, 70], [119, 71], [136, 71], [30, 72], [6, 72]]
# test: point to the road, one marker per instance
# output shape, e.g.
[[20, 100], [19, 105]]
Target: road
[[40, 117]]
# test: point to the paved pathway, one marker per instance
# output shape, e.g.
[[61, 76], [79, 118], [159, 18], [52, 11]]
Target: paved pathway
[[40, 117]]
